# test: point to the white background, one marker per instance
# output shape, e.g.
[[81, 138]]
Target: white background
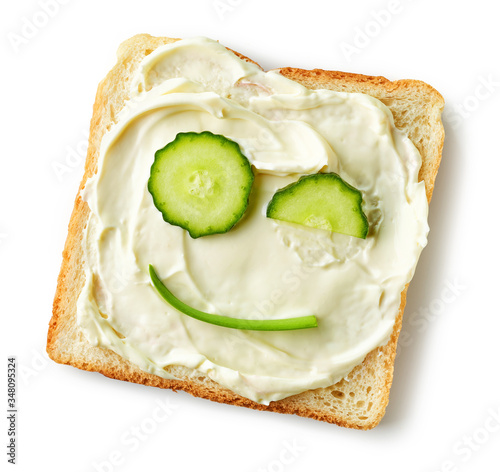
[[446, 391]]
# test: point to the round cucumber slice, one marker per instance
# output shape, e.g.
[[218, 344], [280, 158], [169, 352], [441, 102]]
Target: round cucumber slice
[[322, 201], [201, 182]]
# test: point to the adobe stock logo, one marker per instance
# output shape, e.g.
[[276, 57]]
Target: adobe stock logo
[[365, 34], [38, 363], [288, 454], [133, 437], [420, 320], [31, 25], [470, 444], [225, 6], [484, 90], [73, 158]]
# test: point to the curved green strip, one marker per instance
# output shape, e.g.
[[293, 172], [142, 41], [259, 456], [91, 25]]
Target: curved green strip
[[301, 322]]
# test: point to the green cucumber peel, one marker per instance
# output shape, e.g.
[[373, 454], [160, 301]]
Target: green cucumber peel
[[301, 322], [201, 182]]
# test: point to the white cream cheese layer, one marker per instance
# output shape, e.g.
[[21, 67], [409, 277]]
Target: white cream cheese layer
[[262, 268]]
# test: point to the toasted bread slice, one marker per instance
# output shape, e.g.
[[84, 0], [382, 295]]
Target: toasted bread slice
[[359, 401]]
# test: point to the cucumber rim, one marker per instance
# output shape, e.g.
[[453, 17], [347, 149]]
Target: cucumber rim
[[175, 221], [353, 190]]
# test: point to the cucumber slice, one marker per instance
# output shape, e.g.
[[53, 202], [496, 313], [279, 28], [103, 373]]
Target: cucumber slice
[[323, 201], [201, 182]]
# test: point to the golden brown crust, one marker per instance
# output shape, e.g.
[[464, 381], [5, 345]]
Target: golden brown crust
[[358, 401]]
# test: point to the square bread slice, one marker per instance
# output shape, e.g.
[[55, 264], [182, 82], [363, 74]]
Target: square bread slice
[[358, 401]]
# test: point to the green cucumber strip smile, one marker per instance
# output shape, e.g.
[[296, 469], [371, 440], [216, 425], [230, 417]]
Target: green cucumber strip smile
[[300, 322]]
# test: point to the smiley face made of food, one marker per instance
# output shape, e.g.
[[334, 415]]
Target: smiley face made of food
[[255, 200]]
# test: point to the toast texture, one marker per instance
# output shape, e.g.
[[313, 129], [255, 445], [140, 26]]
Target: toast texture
[[358, 401]]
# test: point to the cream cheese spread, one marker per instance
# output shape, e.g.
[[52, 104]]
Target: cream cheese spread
[[262, 268]]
